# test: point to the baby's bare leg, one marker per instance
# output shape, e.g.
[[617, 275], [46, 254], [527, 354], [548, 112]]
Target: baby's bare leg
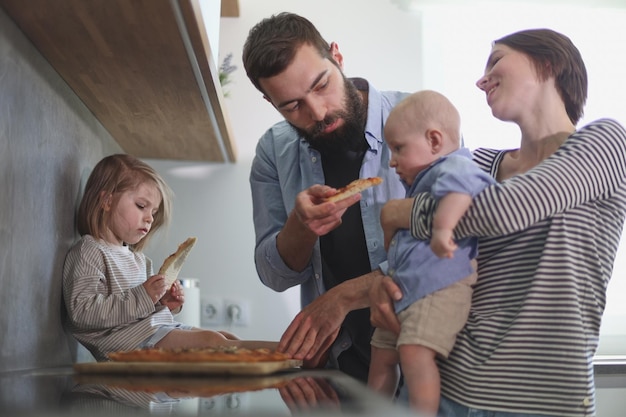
[[422, 378], [384, 372]]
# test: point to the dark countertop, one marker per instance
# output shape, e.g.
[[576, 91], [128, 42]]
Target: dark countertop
[[62, 392]]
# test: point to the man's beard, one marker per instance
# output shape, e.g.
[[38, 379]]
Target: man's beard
[[348, 137]]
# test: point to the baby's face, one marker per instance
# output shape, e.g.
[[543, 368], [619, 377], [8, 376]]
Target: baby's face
[[411, 151]]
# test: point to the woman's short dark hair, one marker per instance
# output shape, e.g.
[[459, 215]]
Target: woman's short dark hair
[[272, 43], [554, 54]]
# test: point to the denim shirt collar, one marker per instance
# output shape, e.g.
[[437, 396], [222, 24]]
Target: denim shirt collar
[[373, 126]]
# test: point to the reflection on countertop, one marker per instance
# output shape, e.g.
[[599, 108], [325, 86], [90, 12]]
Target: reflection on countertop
[[289, 393], [62, 392]]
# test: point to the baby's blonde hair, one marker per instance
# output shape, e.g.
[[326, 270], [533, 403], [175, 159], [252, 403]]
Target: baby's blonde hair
[[116, 174], [428, 109]]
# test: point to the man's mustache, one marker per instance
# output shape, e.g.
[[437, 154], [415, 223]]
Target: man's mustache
[[320, 126]]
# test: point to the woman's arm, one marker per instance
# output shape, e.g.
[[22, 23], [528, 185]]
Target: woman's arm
[[590, 165], [395, 215]]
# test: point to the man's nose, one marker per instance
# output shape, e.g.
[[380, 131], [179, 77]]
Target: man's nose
[[317, 109]]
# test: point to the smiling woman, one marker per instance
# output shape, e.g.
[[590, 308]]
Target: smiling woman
[[455, 63]]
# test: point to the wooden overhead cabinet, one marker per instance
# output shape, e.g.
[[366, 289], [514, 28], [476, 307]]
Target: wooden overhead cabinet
[[143, 67]]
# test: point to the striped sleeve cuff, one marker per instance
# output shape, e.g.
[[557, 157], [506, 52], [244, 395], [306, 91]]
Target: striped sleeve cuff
[[424, 206]]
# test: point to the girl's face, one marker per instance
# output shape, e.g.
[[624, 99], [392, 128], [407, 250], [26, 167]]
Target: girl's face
[[131, 214], [511, 84]]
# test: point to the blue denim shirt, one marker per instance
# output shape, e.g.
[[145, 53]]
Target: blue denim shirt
[[285, 165], [412, 263]]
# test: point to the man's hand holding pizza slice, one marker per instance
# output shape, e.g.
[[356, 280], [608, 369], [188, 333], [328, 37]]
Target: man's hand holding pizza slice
[[320, 218]]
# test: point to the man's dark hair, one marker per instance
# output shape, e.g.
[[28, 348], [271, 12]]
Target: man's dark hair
[[272, 43]]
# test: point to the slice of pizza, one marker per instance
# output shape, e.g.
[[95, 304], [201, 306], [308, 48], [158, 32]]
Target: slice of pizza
[[354, 187], [173, 264], [207, 354]]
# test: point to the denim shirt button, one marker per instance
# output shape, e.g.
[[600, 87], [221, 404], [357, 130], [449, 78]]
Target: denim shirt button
[[314, 159]]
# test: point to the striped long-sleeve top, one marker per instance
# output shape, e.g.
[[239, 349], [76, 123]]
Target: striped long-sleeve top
[[547, 243], [108, 308]]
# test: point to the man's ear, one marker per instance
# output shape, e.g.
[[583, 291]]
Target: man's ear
[[336, 55], [435, 139]]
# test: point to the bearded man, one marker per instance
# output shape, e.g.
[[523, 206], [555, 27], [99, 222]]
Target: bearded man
[[331, 135]]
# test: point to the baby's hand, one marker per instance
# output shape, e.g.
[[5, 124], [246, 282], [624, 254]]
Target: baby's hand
[[155, 287], [442, 243], [174, 297]]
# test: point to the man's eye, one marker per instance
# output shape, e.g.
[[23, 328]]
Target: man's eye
[[321, 86], [291, 108]]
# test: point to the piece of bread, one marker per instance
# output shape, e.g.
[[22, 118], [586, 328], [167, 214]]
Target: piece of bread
[[354, 187], [173, 264]]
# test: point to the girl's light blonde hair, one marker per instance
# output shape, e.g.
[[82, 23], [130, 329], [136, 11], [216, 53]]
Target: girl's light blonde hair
[[116, 174]]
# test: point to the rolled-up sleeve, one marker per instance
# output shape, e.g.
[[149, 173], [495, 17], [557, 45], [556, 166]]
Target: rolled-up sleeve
[[272, 201]]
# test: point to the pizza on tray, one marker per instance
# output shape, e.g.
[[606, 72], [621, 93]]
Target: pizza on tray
[[174, 263], [353, 188], [219, 354]]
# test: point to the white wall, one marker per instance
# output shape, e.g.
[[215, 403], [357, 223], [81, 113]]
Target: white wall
[[213, 202], [384, 44]]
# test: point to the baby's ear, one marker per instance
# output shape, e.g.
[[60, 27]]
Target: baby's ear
[[435, 139]]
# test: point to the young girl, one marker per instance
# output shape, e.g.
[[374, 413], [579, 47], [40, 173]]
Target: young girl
[[114, 301]]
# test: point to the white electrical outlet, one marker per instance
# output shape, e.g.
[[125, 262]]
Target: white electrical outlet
[[212, 311], [236, 312]]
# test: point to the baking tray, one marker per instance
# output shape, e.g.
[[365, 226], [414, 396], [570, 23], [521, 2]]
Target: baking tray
[[186, 368]]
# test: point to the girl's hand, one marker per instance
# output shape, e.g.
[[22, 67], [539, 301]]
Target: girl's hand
[[174, 298], [155, 287]]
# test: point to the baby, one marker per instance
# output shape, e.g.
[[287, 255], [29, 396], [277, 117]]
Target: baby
[[436, 277]]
